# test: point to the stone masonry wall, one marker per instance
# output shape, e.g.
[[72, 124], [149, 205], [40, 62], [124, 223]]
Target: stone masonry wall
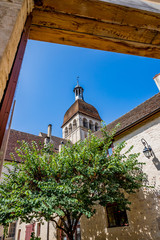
[[13, 14]]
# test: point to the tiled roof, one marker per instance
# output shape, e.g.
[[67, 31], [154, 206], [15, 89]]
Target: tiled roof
[[135, 116], [80, 106], [15, 136]]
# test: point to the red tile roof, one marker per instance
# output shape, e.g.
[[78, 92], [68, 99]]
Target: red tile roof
[[15, 136], [81, 106], [135, 116]]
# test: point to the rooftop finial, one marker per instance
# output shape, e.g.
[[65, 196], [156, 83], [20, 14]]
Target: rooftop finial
[[78, 81]]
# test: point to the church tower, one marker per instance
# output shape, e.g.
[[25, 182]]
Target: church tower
[[79, 118]]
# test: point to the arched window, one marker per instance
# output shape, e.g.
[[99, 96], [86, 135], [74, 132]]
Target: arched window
[[77, 234], [70, 128], [96, 126], [66, 132], [90, 125], [85, 123], [74, 124]]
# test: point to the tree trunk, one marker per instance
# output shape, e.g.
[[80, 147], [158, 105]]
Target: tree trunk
[[70, 236]]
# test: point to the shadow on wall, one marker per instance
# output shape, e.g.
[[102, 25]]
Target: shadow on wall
[[156, 161], [144, 220]]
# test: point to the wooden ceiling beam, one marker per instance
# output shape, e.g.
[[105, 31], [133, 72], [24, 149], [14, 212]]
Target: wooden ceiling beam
[[104, 11], [98, 28], [97, 24]]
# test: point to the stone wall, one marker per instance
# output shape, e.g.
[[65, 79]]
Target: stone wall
[[13, 15]]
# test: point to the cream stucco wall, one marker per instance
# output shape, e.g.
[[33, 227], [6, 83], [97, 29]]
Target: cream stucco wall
[[144, 217]]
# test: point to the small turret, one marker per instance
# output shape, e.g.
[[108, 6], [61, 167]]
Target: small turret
[[78, 91]]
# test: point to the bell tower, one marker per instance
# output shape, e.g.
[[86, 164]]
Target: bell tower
[[80, 118]]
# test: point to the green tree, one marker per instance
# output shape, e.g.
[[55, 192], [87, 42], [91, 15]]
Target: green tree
[[61, 187]]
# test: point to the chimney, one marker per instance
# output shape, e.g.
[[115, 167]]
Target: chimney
[[157, 80], [47, 139], [49, 131], [61, 145]]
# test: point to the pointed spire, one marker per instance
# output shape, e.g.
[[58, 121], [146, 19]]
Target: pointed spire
[[78, 90]]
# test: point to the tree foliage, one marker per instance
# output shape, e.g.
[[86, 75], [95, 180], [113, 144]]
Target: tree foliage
[[64, 186]]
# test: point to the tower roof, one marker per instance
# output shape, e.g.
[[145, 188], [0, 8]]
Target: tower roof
[[80, 106]]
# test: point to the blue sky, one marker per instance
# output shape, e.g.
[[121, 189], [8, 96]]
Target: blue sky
[[113, 83]]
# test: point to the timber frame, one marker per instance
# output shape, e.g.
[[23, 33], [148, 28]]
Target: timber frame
[[93, 24]]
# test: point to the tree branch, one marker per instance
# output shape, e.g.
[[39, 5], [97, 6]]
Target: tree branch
[[58, 226]]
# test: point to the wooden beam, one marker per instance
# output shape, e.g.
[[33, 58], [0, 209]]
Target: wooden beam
[[118, 28], [12, 82], [104, 11], [67, 22], [94, 42]]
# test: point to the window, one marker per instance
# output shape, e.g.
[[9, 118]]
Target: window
[[66, 132], [116, 217], [85, 123], [12, 229], [19, 234], [38, 229], [96, 127], [70, 128], [90, 125], [74, 124], [77, 235]]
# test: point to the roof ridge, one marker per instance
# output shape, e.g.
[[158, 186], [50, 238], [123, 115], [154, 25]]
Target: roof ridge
[[24, 132], [33, 134], [137, 107], [141, 118], [141, 104]]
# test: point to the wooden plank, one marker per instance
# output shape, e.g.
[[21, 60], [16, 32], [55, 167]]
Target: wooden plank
[[104, 11], [54, 20], [89, 41], [12, 82], [97, 24]]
